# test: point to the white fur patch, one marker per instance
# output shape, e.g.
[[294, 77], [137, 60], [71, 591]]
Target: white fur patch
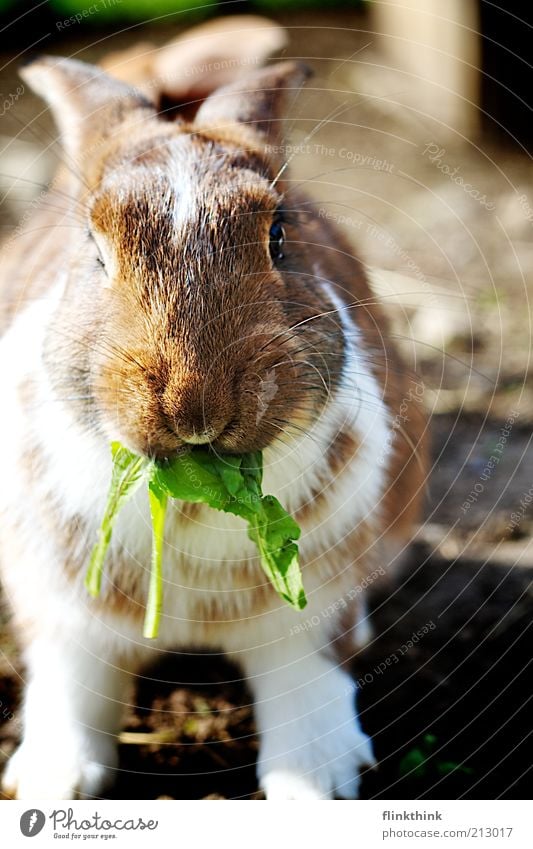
[[312, 746], [69, 747]]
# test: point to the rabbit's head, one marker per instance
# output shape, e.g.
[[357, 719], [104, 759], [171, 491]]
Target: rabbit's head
[[195, 308]]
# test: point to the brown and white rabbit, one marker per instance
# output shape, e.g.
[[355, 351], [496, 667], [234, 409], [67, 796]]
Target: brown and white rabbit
[[175, 288]]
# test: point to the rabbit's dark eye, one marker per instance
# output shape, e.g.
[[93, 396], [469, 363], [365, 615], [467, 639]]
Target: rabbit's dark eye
[[277, 238], [99, 257]]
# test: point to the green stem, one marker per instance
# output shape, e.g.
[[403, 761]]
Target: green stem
[[118, 492], [93, 577]]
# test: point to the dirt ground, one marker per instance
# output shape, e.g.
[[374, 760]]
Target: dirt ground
[[449, 711]]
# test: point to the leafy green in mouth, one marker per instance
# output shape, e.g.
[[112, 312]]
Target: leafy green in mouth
[[229, 483]]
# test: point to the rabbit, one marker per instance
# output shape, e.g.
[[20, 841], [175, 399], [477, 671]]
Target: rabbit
[[177, 289]]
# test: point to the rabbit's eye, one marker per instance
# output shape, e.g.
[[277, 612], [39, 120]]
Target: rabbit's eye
[[277, 238], [99, 258]]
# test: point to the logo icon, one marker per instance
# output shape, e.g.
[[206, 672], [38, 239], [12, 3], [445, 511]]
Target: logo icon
[[32, 822]]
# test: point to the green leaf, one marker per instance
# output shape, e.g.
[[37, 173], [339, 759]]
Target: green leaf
[[274, 531], [228, 483], [190, 478], [413, 763], [229, 469], [129, 471], [447, 767]]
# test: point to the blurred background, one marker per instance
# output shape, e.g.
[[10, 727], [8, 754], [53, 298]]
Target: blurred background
[[415, 135]]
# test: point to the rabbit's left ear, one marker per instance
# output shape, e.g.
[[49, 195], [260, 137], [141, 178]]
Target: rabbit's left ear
[[88, 105], [260, 100]]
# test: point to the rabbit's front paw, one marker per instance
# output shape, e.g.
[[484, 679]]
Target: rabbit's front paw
[[38, 771], [319, 761], [311, 742]]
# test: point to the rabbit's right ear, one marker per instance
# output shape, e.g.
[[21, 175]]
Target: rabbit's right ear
[[259, 100], [88, 105]]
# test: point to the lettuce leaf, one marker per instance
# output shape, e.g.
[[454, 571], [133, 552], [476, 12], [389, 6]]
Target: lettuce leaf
[[274, 532], [229, 483]]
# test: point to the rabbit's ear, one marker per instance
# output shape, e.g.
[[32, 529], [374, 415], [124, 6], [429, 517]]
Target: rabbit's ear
[[261, 100], [87, 104], [193, 65]]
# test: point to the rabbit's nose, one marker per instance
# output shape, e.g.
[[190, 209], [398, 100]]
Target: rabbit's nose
[[198, 428], [198, 409], [201, 437]]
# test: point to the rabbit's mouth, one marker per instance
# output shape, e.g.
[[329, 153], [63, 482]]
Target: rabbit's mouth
[[236, 437]]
